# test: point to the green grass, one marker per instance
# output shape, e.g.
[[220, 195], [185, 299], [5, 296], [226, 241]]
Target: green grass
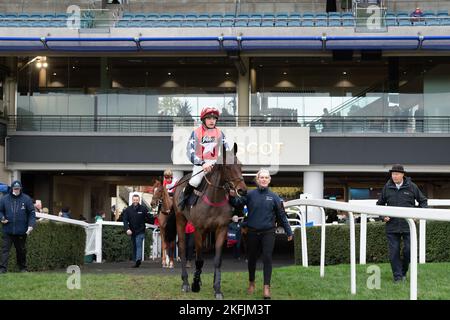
[[294, 282]]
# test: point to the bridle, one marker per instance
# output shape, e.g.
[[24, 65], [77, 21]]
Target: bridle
[[228, 185], [160, 201]]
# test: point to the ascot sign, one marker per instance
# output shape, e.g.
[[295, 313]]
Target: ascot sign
[[256, 145]]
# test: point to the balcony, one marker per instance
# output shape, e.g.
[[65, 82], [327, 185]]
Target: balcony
[[332, 125]]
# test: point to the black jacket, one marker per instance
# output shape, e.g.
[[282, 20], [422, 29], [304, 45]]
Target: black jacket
[[403, 197], [134, 218], [19, 211], [264, 208]]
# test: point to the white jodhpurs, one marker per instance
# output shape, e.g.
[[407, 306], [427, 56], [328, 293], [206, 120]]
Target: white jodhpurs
[[197, 179]]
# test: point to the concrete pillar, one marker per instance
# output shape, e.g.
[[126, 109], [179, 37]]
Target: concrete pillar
[[313, 185], [177, 174], [243, 93], [4, 173], [10, 87], [16, 175]]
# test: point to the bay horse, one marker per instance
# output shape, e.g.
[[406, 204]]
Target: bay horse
[[161, 196], [211, 213]]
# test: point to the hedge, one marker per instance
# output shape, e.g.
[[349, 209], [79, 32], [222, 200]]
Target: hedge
[[51, 245], [337, 246], [116, 245]]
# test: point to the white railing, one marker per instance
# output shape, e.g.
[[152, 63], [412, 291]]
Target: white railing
[[93, 233], [302, 217], [397, 212], [422, 228], [156, 245]]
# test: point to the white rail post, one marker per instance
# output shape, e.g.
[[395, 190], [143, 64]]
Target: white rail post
[[304, 244], [422, 240], [413, 245], [98, 241], [155, 244], [143, 247], [322, 244], [363, 239], [352, 254]]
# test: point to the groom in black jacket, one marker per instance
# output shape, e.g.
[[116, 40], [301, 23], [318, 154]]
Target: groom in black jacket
[[134, 219]]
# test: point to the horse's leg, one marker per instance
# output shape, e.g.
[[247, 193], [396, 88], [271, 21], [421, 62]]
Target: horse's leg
[[171, 251], [163, 246], [221, 233], [178, 259], [181, 226], [196, 284]]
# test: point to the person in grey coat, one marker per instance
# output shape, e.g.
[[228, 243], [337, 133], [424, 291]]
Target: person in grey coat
[[399, 191]]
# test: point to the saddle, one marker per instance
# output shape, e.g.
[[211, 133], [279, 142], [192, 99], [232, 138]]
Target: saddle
[[196, 193]]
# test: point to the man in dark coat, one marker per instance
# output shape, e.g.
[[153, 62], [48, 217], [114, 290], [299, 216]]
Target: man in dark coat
[[134, 219], [399, 191], [18, 218]]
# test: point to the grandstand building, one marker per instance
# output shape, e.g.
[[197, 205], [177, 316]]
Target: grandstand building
[[92, 91]]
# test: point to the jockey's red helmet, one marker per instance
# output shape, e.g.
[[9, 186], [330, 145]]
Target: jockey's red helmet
[[209, 111]]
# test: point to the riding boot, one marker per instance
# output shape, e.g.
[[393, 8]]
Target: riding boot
[[186, 194], [251, 287]]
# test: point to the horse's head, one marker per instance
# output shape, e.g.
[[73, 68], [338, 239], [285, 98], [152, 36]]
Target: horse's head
[[232, 172], [158, 189]]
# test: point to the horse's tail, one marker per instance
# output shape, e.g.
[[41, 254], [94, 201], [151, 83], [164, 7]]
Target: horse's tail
[[171, 227]]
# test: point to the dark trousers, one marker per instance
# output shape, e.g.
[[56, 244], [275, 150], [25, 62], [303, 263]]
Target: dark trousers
[[260, 242], [21, 253], [190, 244], [237, 250], [399, 266]]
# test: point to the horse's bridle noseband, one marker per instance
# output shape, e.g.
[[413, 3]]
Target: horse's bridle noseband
[[160, 203], [228, 185]]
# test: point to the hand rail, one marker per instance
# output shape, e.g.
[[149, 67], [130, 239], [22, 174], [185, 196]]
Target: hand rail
[[397, 212], [97, 231], [422, 228]]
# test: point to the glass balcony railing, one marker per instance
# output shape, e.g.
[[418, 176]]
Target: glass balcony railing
[[148, 124]]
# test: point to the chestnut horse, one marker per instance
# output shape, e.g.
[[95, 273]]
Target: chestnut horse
[[211, 213], [161, 196]]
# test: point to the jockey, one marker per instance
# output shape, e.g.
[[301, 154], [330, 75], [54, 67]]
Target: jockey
[[203, 149], [169, 182]]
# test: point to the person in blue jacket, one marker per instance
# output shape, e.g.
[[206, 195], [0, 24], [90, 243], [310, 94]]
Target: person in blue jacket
[[264, 209], [18, 219]]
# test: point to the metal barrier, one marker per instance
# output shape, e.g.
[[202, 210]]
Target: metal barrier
[[398, 212], [93, 233], [302, 226], [422, 228]]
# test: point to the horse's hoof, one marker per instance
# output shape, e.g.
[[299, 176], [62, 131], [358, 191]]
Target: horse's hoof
[[195, 286], [219, 296], [185, 288]]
